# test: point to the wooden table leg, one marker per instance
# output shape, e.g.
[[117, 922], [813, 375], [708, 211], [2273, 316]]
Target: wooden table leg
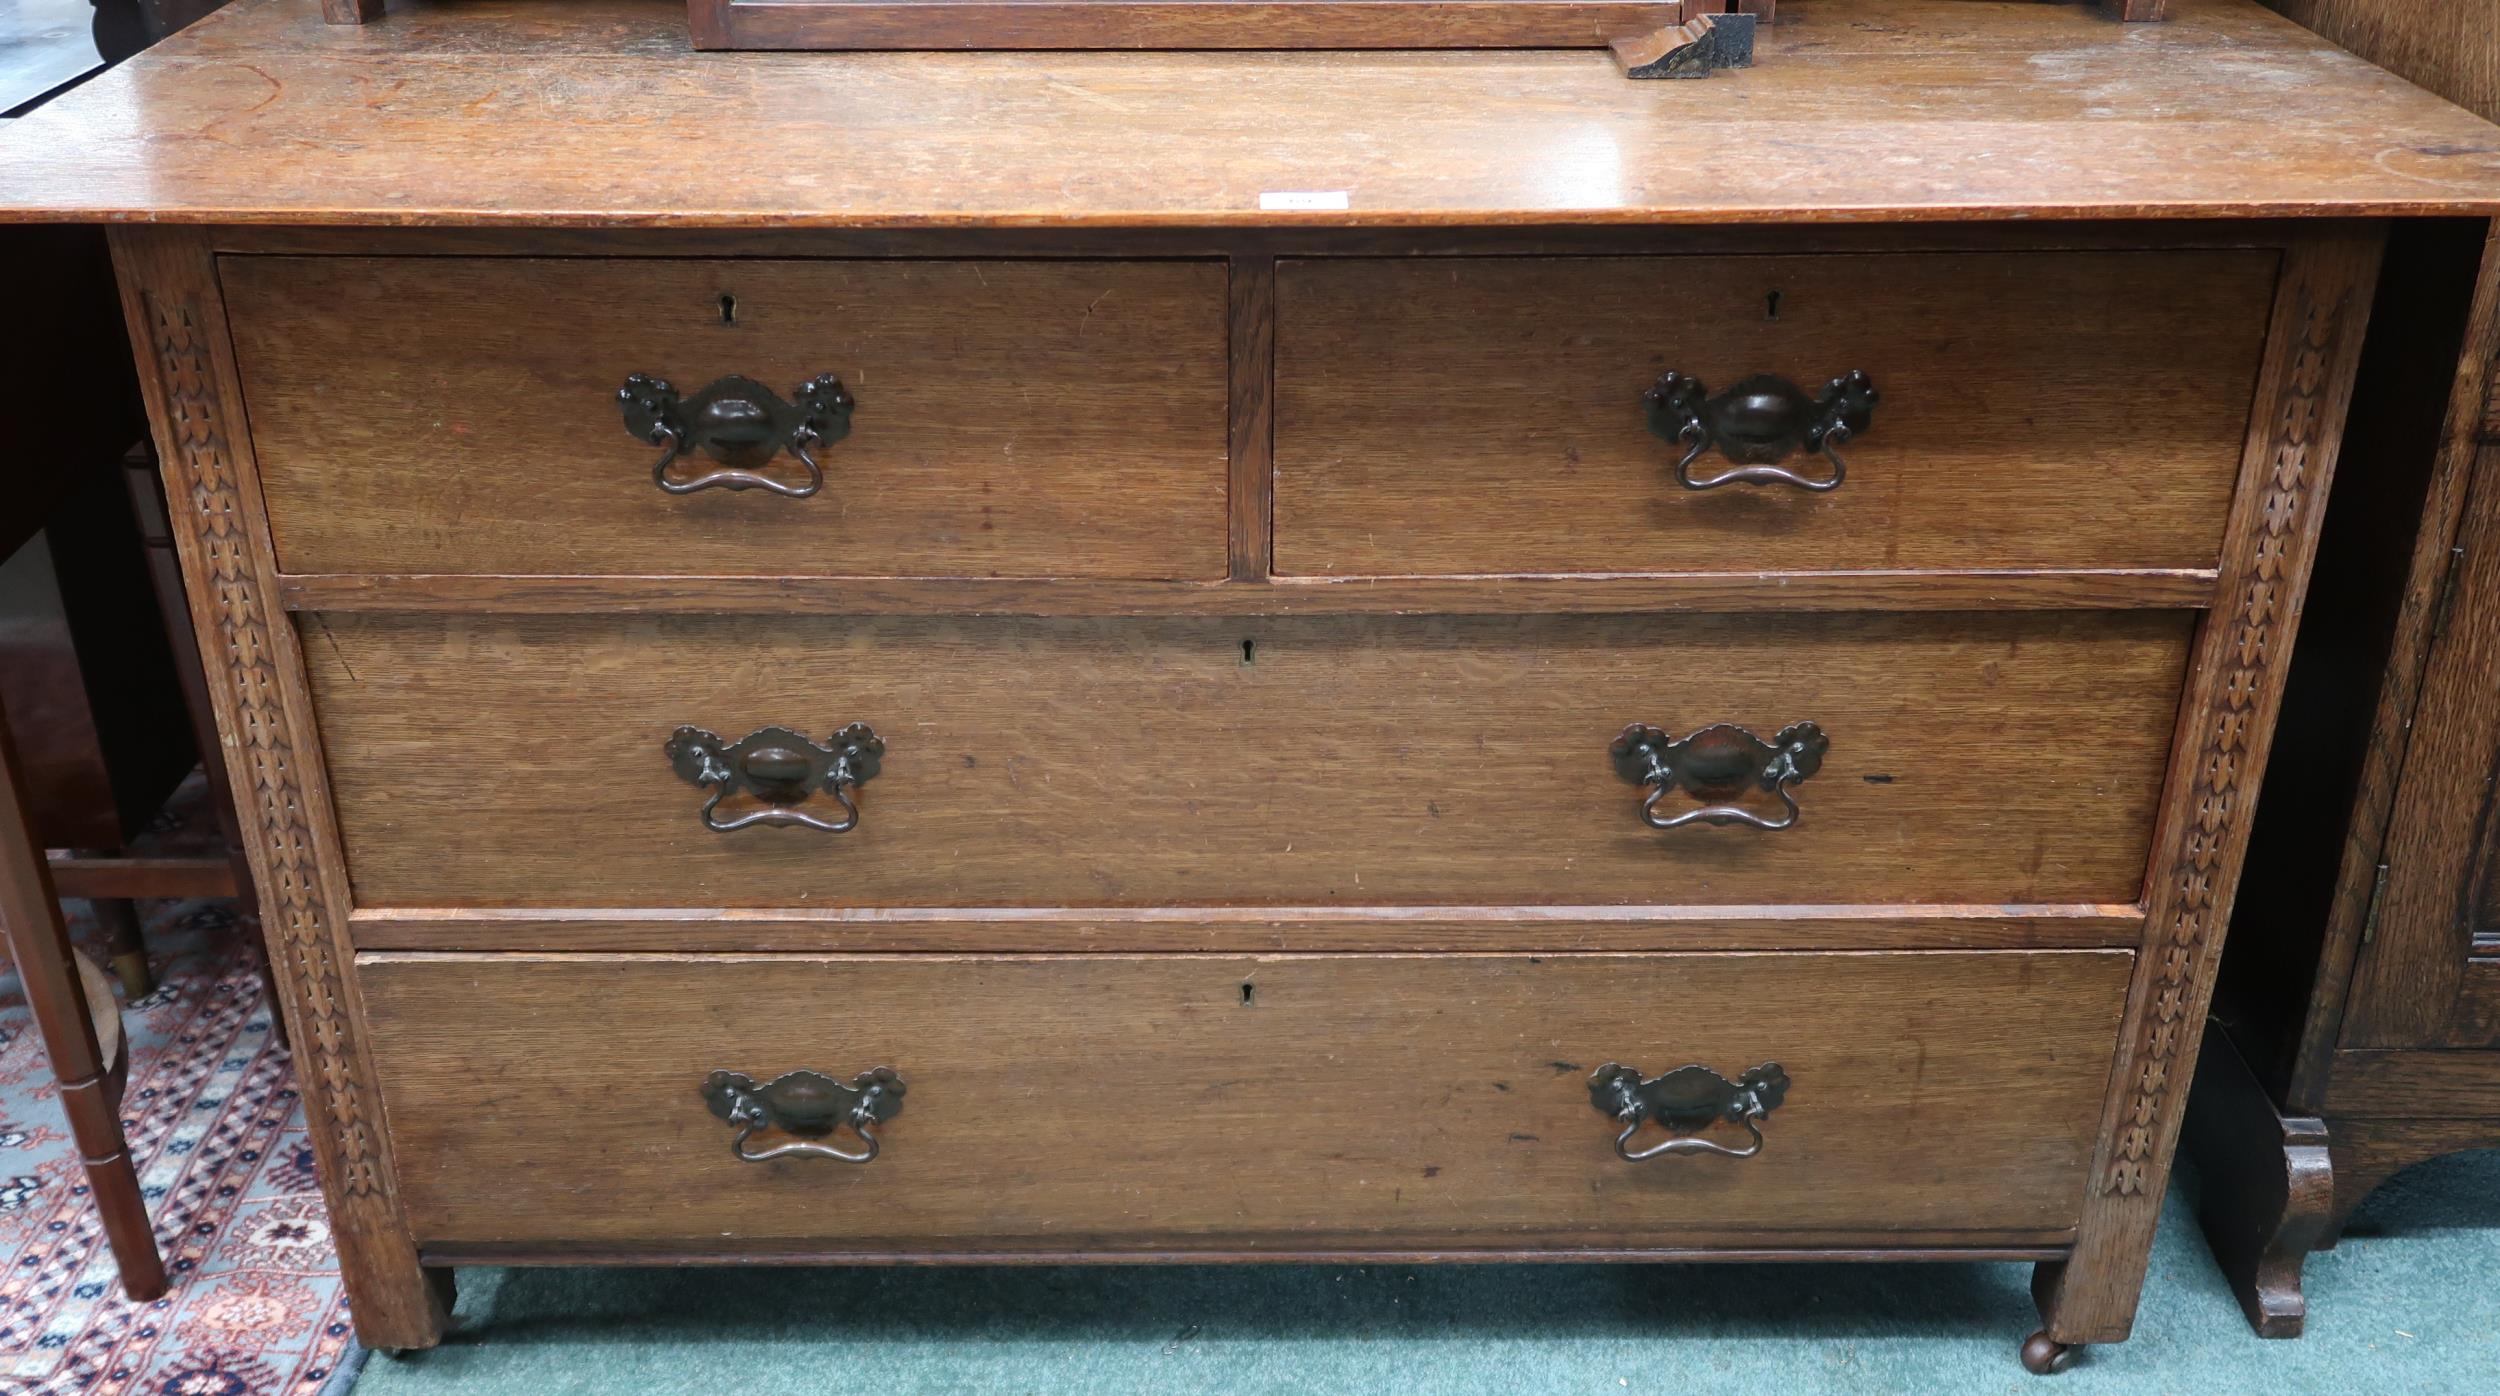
[[90, 1087], [119, 916]]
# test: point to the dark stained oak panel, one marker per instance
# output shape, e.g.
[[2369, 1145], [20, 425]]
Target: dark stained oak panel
[[2451, 47], [1385, 761], [1278, 1103], [1484, 415], [459, 415]]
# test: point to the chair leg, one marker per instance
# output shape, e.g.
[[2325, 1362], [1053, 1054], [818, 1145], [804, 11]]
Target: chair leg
[[248, 925], [113, 1182], [66, 1021], [119, 916]]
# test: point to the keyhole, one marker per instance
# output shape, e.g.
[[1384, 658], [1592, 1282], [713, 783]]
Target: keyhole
[[1249, 996], [728, 309], [1771, 306], [1249, 651]]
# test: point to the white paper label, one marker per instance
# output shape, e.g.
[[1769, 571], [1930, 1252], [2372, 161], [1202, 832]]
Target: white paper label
[[1303, 200]]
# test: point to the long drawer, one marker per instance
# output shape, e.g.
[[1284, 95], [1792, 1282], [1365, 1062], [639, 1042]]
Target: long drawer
[[528, 762], [1469, 415], [1217, 1102], [462, 415]]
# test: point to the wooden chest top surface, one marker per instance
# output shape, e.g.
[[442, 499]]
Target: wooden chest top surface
[[541, 112]]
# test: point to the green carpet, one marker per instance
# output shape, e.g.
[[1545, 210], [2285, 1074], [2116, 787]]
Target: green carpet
[[2409, 1303]]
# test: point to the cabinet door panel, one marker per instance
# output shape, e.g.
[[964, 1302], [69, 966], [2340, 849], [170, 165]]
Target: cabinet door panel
[[2420, 981]]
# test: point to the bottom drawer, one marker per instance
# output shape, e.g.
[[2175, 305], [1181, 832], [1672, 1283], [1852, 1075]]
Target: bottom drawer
[[1261, 1103]]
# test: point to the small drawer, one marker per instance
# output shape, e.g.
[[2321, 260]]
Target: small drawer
[[2033, 410], [993, 419], [538, 762], [1359, 1102]]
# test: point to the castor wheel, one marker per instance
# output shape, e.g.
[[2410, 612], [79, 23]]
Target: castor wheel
[[2044, 1355]]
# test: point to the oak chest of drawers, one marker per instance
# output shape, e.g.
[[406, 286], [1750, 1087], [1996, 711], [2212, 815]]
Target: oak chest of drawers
[[1097, 734]]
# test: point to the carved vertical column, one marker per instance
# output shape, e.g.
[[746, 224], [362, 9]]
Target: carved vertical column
[[256, 684], [2322, 306]]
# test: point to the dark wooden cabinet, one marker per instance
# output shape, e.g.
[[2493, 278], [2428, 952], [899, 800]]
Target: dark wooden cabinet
[[2357, 1017], [2313, 1093], [2356, 1026], [2426, 975]]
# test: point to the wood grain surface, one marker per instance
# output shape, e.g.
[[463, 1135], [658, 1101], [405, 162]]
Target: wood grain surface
[[1430, 760], [2405, 1083], [1925, 110], [1164, 930], [2368, 1152], [1485, 415], [2451, 47], [2474, 1014], [2412, 979], [1014, 419], [1172, 24], [1301, 240], [1978, 590], [1284, 1102]]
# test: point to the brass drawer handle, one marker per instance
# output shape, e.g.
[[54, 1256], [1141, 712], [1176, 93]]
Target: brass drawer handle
[[808, 1105], [780, 768], [1716, 765], [1758, 423], [740, 423], [1685, 1102]]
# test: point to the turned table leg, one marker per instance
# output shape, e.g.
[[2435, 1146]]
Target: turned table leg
[[119, 918], [68, 1016]]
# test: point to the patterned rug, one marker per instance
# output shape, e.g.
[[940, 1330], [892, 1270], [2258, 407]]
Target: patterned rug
[[255, 1307]]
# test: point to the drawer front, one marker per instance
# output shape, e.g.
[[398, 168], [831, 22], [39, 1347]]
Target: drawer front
[[461, 415], [521, 762], [2037, 410], [1215, 1101]]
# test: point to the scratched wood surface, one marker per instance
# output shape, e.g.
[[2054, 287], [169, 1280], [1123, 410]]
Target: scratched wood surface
[[1162, 1102], [604, 116]]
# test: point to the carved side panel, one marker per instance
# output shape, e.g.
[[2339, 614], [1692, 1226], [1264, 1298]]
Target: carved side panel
[[200, 473], [2254, 621], [2491, 406], [2226, 726], [178, 332]]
